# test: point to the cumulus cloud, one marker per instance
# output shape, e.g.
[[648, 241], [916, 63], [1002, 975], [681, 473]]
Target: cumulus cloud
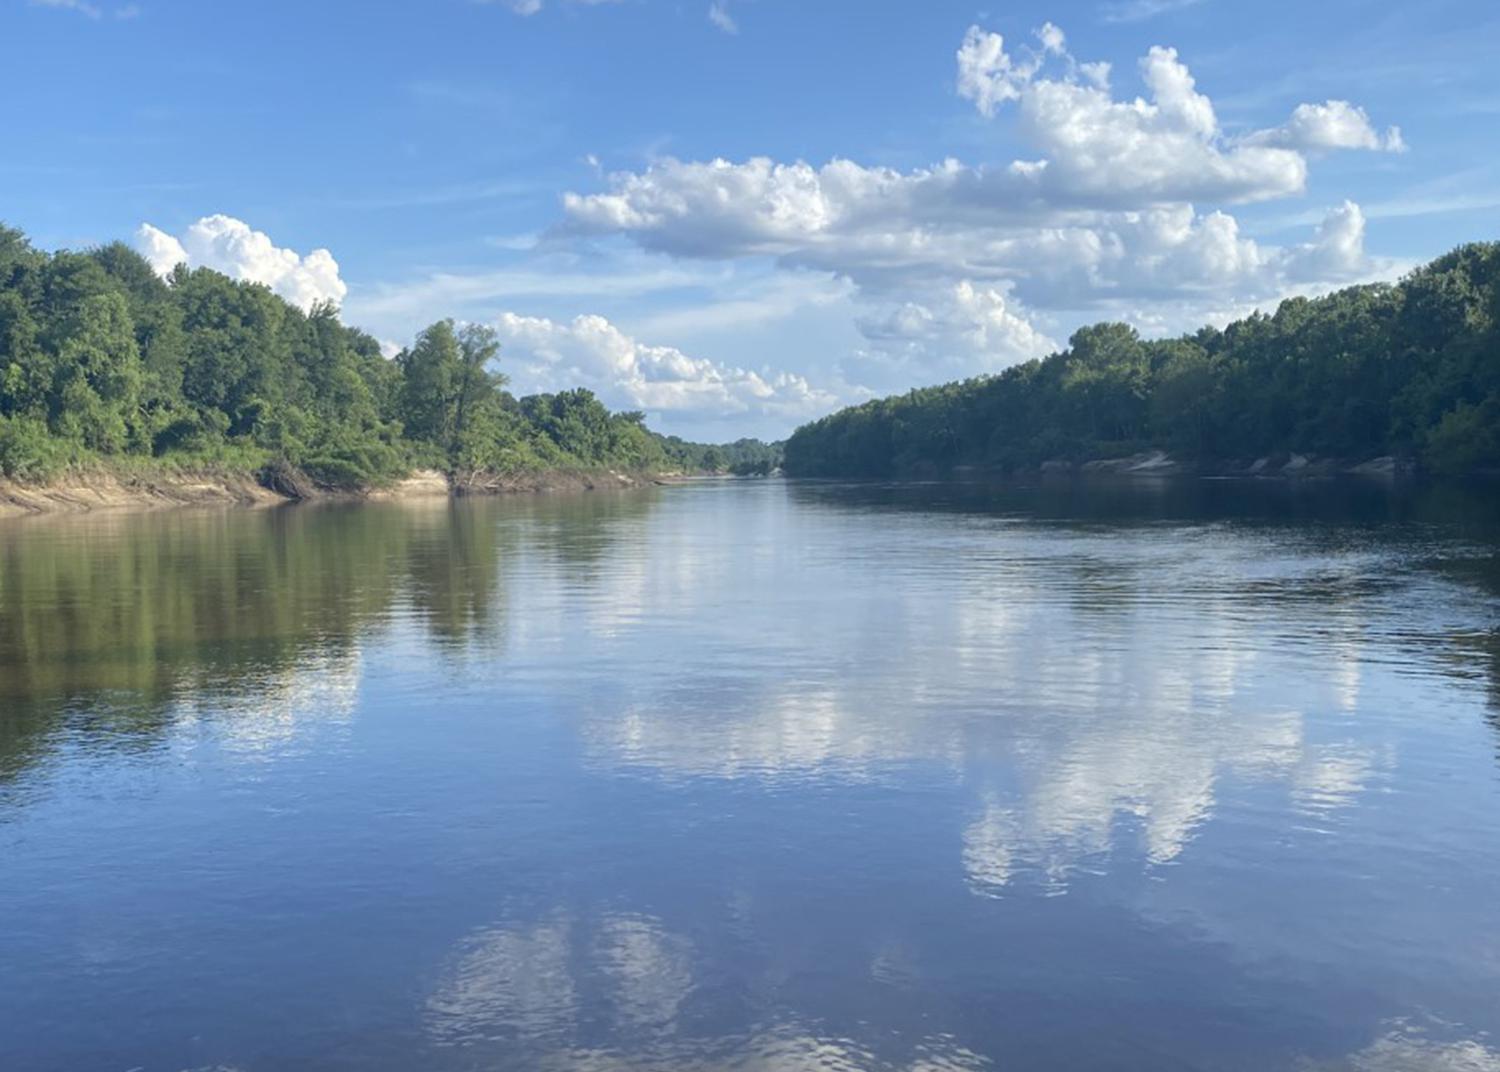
[[1118, 208], [1097, 155], [1334, 124], [987, 75], [1101, 150], [952, 261], [1053, 39], [1169, 251], [949, 293], [890, 232], [231, 246], [978, 315], [545, 355], [159, 248], [947, 333], [1337, 250]]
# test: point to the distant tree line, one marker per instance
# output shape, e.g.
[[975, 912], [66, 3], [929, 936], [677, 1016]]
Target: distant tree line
[[100, 358], [1409, 370]]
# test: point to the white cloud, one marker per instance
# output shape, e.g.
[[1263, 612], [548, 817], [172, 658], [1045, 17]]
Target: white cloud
[[1117, 209], [1162, 252], [1337, 250], [889, 231], [1053, 39], [986, 73], [954, 263], [544, 355], [159, 248], [1101, 151], [949, 333], [1334, 124], [1097, 153], [231, 246], [719, 15]]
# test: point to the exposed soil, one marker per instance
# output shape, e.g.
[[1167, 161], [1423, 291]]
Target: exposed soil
[[85, 492]]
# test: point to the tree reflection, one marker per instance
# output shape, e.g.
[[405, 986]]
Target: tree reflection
[[111, 623]]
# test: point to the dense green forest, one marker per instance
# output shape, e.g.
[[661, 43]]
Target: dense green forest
[[1410, 370], [101, 359]]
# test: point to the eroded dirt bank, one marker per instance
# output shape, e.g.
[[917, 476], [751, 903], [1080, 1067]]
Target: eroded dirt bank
[[86, 492], [103, 490]]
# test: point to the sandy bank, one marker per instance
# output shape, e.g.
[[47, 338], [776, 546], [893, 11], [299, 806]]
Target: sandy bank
[[1157, 463], [87, 492]]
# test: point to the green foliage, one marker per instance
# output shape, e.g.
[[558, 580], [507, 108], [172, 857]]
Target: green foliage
[[101, 358], [743, 457], [1411, 370], [28, 450], [1467, 438]]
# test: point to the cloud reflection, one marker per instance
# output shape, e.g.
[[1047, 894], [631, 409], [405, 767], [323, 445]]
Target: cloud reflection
[[524, 988], [508, 982], [650, 968], [271, 710], [781, 1049], [1403, 1051], [1079, 728], [519, 981]]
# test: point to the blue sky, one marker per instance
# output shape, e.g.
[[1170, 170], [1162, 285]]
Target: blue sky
[[906, 192]]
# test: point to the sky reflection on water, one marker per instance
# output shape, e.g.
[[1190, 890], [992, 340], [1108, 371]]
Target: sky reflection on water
[[759, 776]]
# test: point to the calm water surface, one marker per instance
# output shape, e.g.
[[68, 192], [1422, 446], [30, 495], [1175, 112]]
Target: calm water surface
[[757, 775]]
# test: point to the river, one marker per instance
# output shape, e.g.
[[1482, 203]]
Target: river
[[757, 775]]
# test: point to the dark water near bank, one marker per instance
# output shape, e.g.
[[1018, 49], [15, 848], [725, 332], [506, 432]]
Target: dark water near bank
[[757, 776]]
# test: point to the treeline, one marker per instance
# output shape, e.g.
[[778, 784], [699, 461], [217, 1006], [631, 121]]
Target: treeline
[[1410, 370], [743, 457], [100, 358]]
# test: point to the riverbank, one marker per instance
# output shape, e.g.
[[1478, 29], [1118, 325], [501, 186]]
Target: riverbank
[[92, 490], [1286, 465], [1159, 465]]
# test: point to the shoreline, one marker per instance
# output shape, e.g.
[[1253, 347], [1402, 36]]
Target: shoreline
[[1158, 464], [106, 490]]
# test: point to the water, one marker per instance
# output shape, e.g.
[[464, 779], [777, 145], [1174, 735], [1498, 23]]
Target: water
[[757, 775]]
